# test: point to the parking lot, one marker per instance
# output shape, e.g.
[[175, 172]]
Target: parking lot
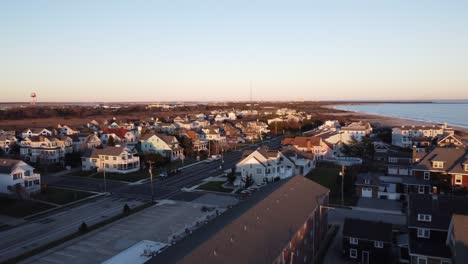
[[158, 223]]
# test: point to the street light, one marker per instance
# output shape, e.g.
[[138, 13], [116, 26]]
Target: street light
[[104, 175]]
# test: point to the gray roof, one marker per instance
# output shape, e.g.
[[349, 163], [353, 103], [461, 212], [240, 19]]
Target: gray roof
[[7, 165], [452, 158], [369, 230], [108, 151], [258, 234]]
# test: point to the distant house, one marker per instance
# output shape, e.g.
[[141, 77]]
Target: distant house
[[167, 146], [198, 143], [7, 142], [120, 135], [110, 159], [358, 130], [449, 140], [281, 227], [45, 149], [169, 128], [31, 132], [314, 145], [212, 133], [84, 141], [66, 130], [444, 164], [367, 241], [429, 219], [407, 136], [17, 177]]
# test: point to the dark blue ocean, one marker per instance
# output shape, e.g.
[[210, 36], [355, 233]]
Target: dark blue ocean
[[452, 112]]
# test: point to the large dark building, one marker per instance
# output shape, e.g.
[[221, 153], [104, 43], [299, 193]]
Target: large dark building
[[367, 241]]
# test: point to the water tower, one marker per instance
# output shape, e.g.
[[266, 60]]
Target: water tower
[[33, 98]]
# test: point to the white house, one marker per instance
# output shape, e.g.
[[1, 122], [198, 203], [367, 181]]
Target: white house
[[167, 146], [110, 159], [403, 136], [45, 149], [66, 130], [82, 142], [31, 132], [17, 177], [232, 116], [358, 130], [264, 166]]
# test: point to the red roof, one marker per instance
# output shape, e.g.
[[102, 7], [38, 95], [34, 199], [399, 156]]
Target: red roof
[[120, 132]]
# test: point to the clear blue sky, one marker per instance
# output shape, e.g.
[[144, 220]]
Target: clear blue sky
[[210, 49]]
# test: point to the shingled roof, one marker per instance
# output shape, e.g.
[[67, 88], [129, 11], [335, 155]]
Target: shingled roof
[[452, 157], [7, 165], [260, 233], [369, 230]]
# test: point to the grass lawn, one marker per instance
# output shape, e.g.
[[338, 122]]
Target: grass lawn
[[214, 186], [21, 208], [60, 196], [129, 177], [328, 175]]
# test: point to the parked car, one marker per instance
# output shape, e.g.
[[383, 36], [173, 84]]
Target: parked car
[[163, 174], [216, 157]]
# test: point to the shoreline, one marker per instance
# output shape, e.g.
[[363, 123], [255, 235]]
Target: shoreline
[[390, 121]]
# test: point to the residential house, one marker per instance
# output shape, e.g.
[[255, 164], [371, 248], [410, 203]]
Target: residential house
[[198, 143], [367, 242], [31, 132], [449, 140], [45, 149], [330, 125], [305, 162], [183, 125], [232, 116], [199, 124], [371, 185], [7, 142], [66, 130], [110, 159], [443, 166], [429, 218], [220, 118], [315, 145], [84, 141], [18, 177], [358, 130], [280, 227], [167, 146], [404, 136], [264, 166], [213, 133], [168, 128], [120, 135]]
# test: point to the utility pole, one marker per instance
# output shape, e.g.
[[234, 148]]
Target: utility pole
[[342, 174], [151, 179], [104, 175]]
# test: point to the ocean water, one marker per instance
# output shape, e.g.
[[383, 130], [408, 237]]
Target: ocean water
[[454, 113]]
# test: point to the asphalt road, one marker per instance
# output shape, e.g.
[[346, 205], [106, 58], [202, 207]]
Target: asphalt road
[[43, 230]]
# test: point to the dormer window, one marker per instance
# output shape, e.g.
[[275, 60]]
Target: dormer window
[[438, 164], [366, 181], [424, 217], [458, 179]]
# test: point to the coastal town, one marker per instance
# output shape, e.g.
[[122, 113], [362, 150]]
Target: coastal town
[[252, 182]]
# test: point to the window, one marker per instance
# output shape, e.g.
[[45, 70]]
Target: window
[[427, 175], [424, 218], [353, 240], [114, 158], [353, 253], [378, 244], [17, 176], [458, 179], [421, 189], [424, 233], [438, 164], [259, 171], [106, 157], [392, 160], [107, 165], [422, 260]]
